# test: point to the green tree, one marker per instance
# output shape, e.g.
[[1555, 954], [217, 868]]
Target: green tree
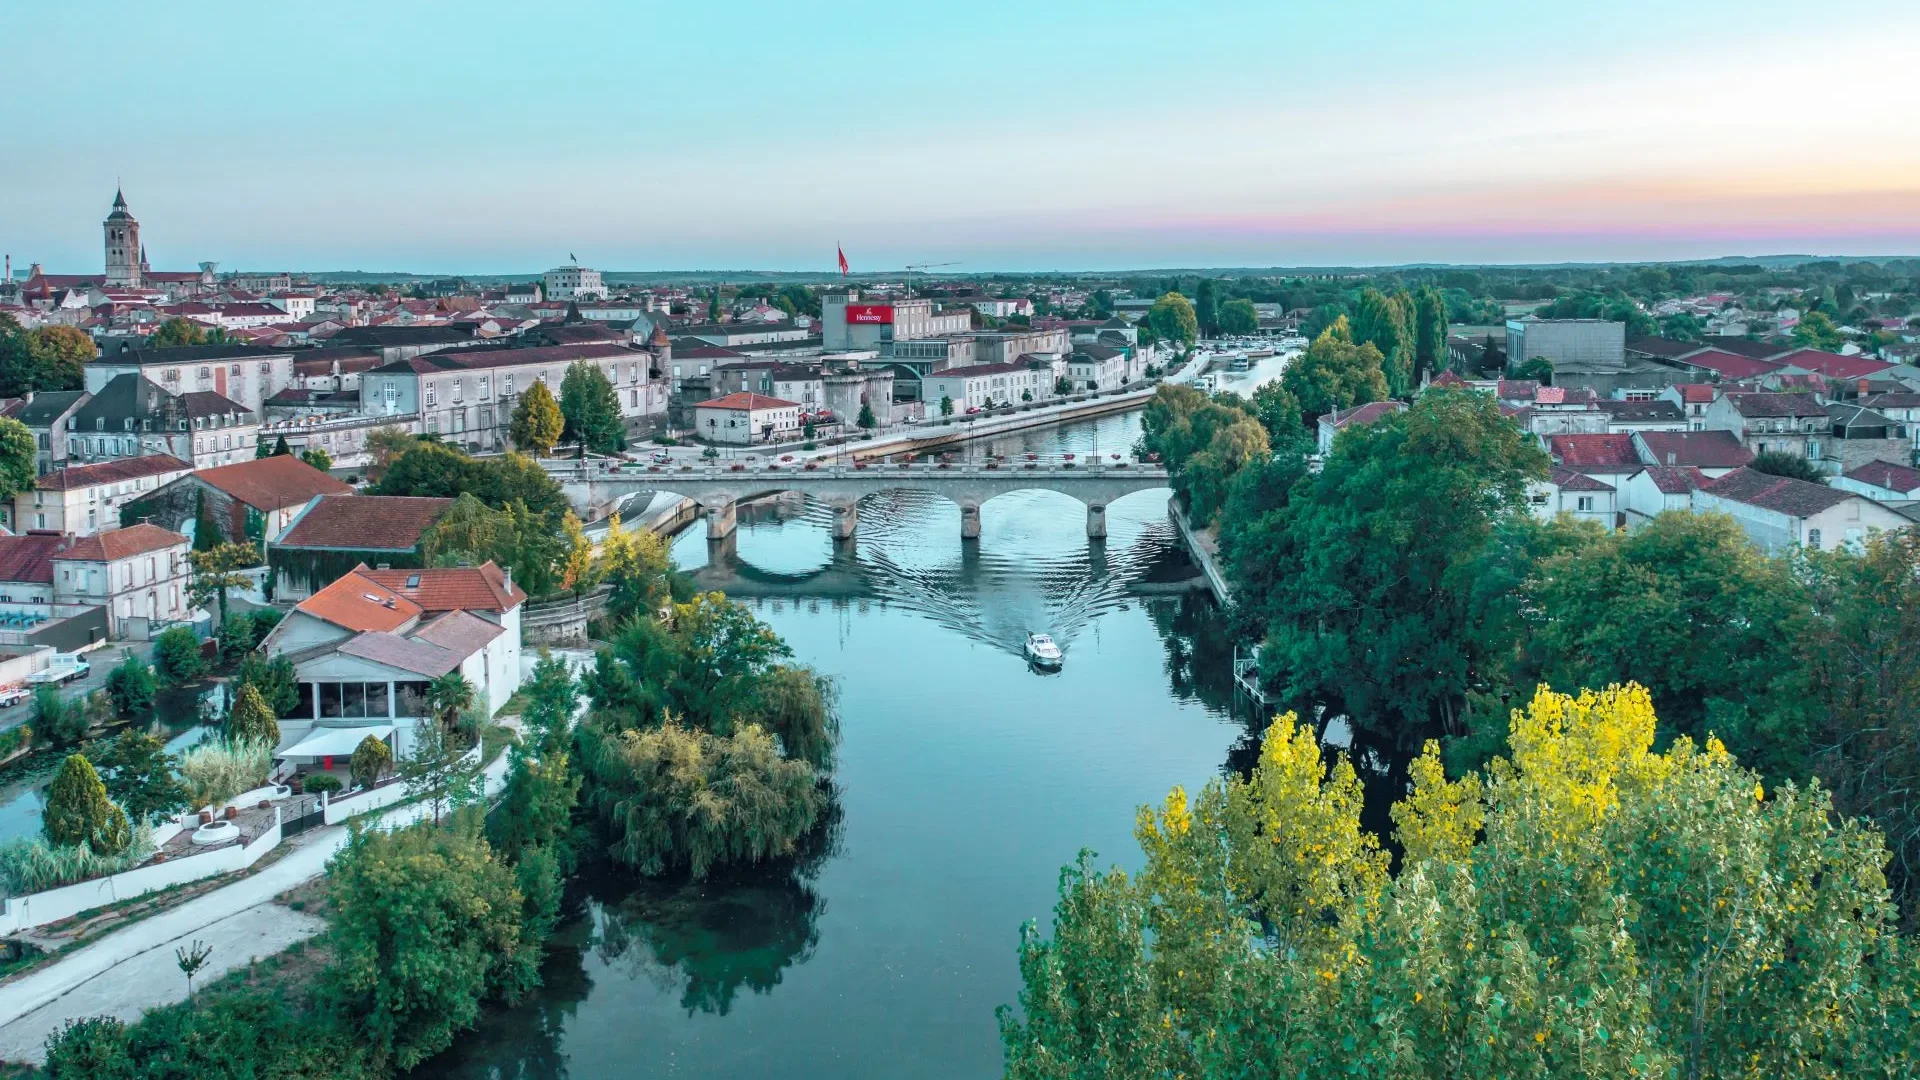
[[60, 354], [130, 687], [1792, 466], [1172, 319], [1238, 318], [177, 659], [537, 422], [17, 457], [866, 419], [177, 332], [1539, 369], [1681, 326], [1386, 321], [673, 798], [207, 534], [946, 405], [1815, 330], [138, 774], [425, 927], [251, 718], [1586, 885], [1380, 623], [280, 447], [436, 470], [218, 570], [439, 770], [372, 760], [591, 409], [59, 721], [450, 695], [578, 572], [636, 564], [79, 812], [1334, 373], [317, 458], [1429, 333], [542, 788], [1206, 306], [275, 679]]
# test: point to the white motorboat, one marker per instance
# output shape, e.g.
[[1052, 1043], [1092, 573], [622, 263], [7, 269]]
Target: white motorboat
[[1042, 652]]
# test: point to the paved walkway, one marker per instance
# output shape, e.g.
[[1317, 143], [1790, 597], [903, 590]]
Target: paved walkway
[[132, 970]]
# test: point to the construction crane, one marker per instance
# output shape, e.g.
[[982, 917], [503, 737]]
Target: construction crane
[[921, 267]]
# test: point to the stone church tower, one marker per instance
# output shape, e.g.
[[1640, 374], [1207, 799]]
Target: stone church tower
[[124, 253]]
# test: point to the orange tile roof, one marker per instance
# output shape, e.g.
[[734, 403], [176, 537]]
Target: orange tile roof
[[744, 401], [357, 602], [122, 543], [271, 483], [454, 588]]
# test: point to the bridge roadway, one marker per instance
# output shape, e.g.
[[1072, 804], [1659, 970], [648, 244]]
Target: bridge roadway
[[718, 489]]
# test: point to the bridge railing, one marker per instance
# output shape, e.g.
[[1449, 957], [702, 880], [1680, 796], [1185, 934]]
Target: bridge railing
[[824, 471]]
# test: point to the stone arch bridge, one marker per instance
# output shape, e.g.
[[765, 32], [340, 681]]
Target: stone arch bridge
[[718, 489]]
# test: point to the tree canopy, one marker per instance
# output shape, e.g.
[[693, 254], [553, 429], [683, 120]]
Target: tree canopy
[[537, 422], [591, 409], [1335, 373], [1172, 319]]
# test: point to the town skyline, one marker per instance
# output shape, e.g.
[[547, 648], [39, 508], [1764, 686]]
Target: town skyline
[[1237, 135]]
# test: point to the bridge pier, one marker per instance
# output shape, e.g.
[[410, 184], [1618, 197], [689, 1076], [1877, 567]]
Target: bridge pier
[[1096, 521], [969, 521], [721, 519], [846, 518]]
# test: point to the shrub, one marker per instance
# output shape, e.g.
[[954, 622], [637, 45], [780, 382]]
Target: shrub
[[237, 634], [61, 722], [138, 773], [79, 812], [31, 864], [12, 741], [264, 621], [130, 687], [321, 783], [251, 719], [372, 759], [274, 677], [177, 657], [218, 769]]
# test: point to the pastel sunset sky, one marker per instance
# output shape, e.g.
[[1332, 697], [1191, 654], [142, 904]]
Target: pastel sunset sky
[[497, 138]]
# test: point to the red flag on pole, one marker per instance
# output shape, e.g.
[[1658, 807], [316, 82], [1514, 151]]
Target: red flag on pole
[[843, 259]]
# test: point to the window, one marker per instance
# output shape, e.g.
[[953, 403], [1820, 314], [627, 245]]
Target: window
[[458, 385], [390, 392], [506, 385], [432, 396], [1813, 538], [483, 387], [1813, 448], [1585, 503], [410, 698]]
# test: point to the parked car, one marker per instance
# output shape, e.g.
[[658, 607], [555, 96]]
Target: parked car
[[13, 695]]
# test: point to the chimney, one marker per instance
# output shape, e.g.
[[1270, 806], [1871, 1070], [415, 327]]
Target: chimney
[[508, 572], [384, 566], [1863, 388]]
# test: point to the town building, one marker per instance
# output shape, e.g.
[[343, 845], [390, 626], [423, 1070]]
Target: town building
[[468, 395], [1780, 513], [745, 418], [85, 499], [574, 282], [247, 374], [804, 384], [1332, 424], [983, 386], [1881, 481], [132, 417], [366, 648], [1567, 491], [849, 322], [1097, 367], [45, 415], [1793, 424], [1567, 341], [1713, 453], [250, 501], [1860, 435], [138, 575], [334, 532], [1658, 489]]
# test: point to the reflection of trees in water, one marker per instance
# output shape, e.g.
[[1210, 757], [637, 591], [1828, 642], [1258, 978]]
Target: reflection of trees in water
[[709, 939], [523, 1043], [1199, 660]]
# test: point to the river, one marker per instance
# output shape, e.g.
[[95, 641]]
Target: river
[[966, 781]]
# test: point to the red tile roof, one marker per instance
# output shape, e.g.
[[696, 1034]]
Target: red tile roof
[[1833, 365], [1729, 365], [357, 602], [1517, 389], [271, 483], [1677, 479], [28, 557], [364, 523], [461, 588], [1696, 393], [744, 401], [1700, 449], [112, 472], [1572, 480], [1784, 495], [122, 543], [1607, 452], [1774, 405], [1886, 474], [1363, 414]]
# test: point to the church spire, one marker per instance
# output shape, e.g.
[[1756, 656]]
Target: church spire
[[119, 200]]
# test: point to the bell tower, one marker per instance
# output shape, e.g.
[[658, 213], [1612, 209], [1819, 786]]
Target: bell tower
[[123, 244]]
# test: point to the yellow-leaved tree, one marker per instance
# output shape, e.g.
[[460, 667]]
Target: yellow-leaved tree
[[1584, 908]]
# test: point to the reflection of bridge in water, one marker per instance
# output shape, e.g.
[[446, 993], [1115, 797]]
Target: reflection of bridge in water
[[720, 489]]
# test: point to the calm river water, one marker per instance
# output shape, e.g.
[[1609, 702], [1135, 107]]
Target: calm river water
[[966, 781]]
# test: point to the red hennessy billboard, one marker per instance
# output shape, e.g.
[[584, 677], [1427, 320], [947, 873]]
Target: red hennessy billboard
[[869, 313]]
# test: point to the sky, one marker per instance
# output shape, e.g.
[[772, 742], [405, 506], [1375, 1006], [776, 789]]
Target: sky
[[501, 138]]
